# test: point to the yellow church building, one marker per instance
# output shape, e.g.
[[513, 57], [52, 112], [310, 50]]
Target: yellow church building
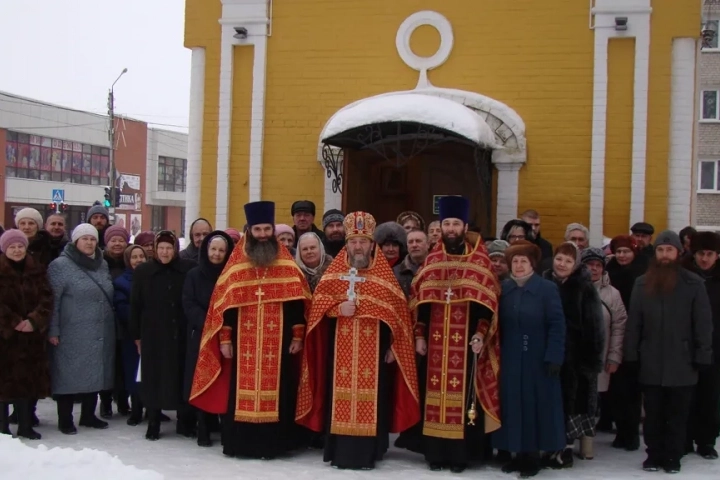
[[581, 109]]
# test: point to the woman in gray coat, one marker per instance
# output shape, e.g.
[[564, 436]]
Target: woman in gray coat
[[82, 329]]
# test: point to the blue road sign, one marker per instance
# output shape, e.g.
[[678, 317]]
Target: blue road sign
[[58, 195]]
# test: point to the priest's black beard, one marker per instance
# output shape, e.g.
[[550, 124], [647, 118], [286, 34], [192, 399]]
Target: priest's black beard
[[262, 254], [453, 243]]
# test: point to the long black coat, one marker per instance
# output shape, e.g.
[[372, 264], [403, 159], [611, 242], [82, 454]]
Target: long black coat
[[669, 334], [199, 286], [157, 319], [584, 342], [712, 285]]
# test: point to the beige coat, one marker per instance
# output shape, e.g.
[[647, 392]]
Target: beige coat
[[615, 317]]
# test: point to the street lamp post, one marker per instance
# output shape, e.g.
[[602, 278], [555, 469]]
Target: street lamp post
[[111, 137]]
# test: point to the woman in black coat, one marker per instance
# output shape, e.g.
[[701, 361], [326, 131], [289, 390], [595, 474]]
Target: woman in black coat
[[199, 285], [158, 325], [584, 350]]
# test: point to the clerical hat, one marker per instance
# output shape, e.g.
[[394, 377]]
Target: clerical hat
[[359, 224], [454, 207], [257, 213]]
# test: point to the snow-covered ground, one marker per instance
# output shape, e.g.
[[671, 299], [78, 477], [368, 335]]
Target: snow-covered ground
[[122, 453]]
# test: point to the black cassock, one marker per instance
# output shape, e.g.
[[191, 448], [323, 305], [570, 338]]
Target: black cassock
[[266, 440], [354, 452]]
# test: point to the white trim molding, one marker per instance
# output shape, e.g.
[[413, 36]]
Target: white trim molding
[[254, 16], [682, 127], [638, 26], [195, 137]]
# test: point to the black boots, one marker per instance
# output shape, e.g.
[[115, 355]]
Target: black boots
[[105, 404], [153, 430], [203, 429], [4, 419], [65, 405], [25, 420], [136, 411], [87, 413], [123, 407], [13, 419]]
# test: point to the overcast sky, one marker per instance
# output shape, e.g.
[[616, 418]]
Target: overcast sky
[[69, 52]]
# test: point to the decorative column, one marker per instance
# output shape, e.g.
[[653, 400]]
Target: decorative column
[[195, 137], [508, 166]]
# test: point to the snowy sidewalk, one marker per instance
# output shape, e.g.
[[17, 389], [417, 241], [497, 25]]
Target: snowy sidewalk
[[122, 453]]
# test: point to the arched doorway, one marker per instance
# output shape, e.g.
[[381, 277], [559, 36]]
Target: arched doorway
[[403, 150]]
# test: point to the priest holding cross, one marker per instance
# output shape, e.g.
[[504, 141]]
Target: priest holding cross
[[255, 324], [358, 380], [454, 299]]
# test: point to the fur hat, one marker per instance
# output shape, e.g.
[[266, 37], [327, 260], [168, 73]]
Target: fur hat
[[116, 231], [30, 214], [390, 232], [705, 241], [82, 230], [526, 249], [10, 237], [625, 241]]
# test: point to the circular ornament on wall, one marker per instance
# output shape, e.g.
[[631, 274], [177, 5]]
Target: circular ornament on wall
[[414, 61]]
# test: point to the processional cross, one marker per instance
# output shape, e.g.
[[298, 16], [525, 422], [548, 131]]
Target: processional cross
[[448, 294], [353, 278]]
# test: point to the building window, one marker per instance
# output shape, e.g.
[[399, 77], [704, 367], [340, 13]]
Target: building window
[[711, 44], [172, 174], [710, 105], [709, 177], [51, 159], [159, 218]]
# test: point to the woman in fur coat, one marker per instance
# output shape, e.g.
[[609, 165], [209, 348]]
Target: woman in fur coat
[[584, 344], [25, 309]]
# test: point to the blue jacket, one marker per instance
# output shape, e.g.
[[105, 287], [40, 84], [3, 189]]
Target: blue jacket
[[121, 300]]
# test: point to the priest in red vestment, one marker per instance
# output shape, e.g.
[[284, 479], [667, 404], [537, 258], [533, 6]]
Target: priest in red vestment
[[358, 380], [454, 298], [255, 324]]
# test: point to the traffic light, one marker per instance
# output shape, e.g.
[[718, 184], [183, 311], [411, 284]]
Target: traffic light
[[64, 207], [108, 198], [52, 207]]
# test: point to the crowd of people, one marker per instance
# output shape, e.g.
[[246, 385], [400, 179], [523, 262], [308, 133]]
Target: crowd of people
[[283, 337]]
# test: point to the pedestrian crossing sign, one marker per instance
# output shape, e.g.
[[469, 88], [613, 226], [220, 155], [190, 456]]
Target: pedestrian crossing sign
[[58, 195]]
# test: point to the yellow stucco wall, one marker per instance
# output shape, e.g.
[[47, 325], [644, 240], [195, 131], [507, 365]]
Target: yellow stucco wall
[[537, 57]]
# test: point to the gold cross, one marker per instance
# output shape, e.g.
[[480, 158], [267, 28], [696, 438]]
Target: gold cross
[[247, 355], [368, 331], [345, 330], [434, 380], [454, 382], [366, 373], [436, 335], [270, 356], [248, 324], [259, 293], [343, 372], [272, 325], [457, 337]]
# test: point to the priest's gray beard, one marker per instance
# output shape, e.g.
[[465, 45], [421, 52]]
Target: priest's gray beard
[[360, 260], [262, 254]]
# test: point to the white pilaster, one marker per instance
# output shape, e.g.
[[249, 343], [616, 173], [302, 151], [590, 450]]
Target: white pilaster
[[682, 121], [508, 183], [195, 137], [224, 127], [603, 14]]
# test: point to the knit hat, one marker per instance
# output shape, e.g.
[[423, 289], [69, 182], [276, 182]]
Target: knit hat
[[623, 241], [128, 253], [116, 231], [497, 248], [12, 236], [705, 241], [144, 238], [333, 215], [281, 228], [95, 209], [593, 253], [82, 230], [30, 214], [668, 237], [234, 234], [526, 249], [303, 206]]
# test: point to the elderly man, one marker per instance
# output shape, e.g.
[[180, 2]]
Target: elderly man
[[532, 218], [55, 226], [643, 233], [668, 338], [418, 247], [303, 213], [199, 229], [578, 234]]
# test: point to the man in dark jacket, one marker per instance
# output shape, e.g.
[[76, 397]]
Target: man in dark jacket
[[303, 213], [334, 230], [199, 229], [704, 423], [532, 218], [99, 217], [418, 247], [668, 338], [643, 232]]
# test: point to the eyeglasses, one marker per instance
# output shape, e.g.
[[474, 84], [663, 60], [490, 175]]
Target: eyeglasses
[[516, 237]]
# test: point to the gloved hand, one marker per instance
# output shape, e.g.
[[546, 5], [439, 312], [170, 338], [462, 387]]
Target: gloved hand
[[553, 370]]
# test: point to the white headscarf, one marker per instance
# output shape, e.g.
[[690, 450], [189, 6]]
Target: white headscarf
[[298, 259]]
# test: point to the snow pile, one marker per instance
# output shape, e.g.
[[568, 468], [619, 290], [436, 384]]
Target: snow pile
[[412, 107], [23, 462]]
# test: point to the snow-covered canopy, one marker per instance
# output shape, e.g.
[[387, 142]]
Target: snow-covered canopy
[[441, 113]]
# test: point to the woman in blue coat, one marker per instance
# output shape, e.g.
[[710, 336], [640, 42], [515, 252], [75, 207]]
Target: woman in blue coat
[[532, 348], [134, 255]]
